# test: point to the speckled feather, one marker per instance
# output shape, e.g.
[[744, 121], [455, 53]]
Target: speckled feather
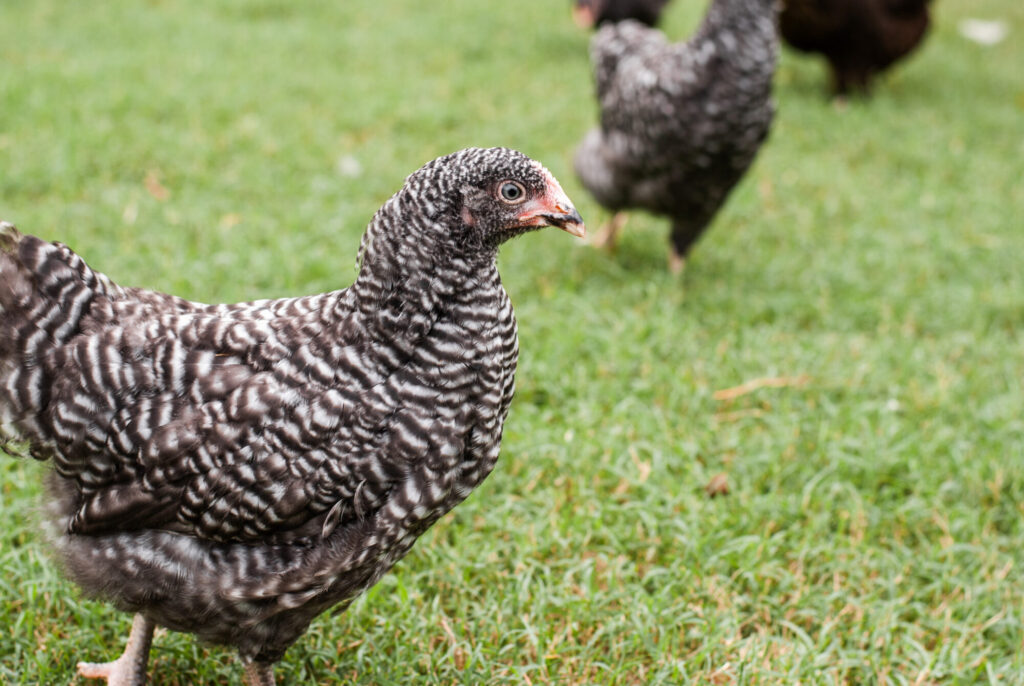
[[233, 470], [682, 122]]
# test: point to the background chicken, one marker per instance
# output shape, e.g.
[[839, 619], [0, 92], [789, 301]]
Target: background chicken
[[234, 470], [590, 13], [680, 123], [859, 38]]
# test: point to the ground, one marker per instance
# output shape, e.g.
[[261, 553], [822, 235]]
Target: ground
[[843, 354]]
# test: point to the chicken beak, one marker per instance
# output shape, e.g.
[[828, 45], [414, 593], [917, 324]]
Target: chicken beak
[[558, 212], [568, 220], [583, 15], [553, 209]]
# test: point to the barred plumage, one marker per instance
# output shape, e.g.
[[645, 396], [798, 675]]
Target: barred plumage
[[680, 123], [234, 470]]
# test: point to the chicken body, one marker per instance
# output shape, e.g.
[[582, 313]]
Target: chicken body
[[234, 470], [680, 122], [859, 38]]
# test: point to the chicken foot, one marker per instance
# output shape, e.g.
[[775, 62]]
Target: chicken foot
[[130, 668]]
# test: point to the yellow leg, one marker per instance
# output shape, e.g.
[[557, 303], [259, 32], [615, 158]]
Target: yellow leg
[[258, 673], [130, 668], [676, 262], [608, 234]]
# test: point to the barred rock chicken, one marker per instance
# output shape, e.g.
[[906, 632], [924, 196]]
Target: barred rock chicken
[[590, 13], [680, 123], [859, 38], [235, 470]]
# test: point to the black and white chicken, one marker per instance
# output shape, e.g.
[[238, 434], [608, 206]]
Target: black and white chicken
[[680, 122], [235, 470]]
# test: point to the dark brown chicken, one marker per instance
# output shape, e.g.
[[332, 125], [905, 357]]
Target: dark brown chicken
[[859, 38]]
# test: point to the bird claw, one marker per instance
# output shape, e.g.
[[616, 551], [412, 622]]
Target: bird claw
[[841, 102], [130, 668], [120, 672]]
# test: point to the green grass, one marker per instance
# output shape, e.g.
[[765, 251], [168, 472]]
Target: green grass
[[874, 529]]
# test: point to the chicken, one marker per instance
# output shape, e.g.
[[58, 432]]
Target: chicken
[[591, 13], [234, 470], [859, 38], [680, 123]]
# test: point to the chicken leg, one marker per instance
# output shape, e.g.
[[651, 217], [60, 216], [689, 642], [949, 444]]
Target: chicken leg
[[258, 673], [608, 234], [676, 262], [130, 668]]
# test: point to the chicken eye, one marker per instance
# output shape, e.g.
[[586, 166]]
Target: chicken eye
[[512, 192]]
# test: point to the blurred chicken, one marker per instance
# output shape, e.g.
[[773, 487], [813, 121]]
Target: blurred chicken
[[859, 38], [680, 122]]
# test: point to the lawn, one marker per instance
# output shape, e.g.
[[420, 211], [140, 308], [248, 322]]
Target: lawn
[[869, 267]]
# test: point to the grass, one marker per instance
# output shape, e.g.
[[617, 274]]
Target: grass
[[874, 527]]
